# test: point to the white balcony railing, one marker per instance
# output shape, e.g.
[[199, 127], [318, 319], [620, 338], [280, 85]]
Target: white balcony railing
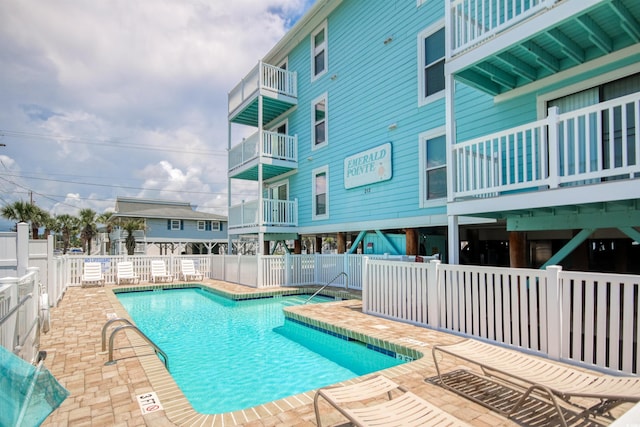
[[281, 213], [584, 146], [473, 21], [263, 76], [274, 146]]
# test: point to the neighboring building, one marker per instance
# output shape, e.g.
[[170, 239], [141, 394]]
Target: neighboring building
[[425, 126], [170, 228]]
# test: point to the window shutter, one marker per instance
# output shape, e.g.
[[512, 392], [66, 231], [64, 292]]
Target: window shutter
[[207, 225], [181, 224], [168, 224]]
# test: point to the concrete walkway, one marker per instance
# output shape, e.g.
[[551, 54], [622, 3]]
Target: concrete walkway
[[106, 395]]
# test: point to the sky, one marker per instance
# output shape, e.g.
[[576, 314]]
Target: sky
[[117, 98]]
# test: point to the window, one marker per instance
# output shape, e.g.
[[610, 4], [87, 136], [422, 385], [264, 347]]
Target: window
[[433, 158], [208, 225], [319, 52], [320, 185], [319, 122], [175, 224], [431, 67]]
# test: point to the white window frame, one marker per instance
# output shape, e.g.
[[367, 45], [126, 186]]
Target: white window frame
[[314, 174], [424, 34], [422, 151], [215, 225], [201, 225], [175, 224], [315, 102], [324, 46]]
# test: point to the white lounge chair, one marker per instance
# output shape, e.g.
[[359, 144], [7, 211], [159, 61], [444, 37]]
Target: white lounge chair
[[188, 270], [545, 378], [159, 272], [405, 410], [92, 274], [125, 273]]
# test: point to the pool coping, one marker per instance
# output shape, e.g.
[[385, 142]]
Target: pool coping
[[177, 407]]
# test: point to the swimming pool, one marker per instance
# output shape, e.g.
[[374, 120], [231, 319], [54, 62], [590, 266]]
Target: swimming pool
[[227, 355]]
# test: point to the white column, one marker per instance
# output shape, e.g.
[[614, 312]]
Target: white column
[[453, 240]]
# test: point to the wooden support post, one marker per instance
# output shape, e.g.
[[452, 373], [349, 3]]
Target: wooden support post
[[297, 246], [518, 249], [342, 243], [411, 241], [266, 245], [318, 245]]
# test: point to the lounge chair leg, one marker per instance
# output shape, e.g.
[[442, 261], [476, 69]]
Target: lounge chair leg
[[551, 397], [316, 409]]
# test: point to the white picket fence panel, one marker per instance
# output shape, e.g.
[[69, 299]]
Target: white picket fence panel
[[585, 318]]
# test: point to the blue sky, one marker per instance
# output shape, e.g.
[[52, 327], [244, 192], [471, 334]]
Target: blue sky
[[108, 98]]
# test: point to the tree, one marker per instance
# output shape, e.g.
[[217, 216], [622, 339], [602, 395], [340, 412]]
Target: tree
[[106, 220], [69, 226], [50, 224], [88, 228], [18, 211], [39, 217], [131, 225]]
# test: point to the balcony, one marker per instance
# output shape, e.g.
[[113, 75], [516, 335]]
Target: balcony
[[275, 213], [499, 45], [278, 88], [277, 153], [579, 149]]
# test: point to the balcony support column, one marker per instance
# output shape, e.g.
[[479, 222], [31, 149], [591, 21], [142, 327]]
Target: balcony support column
[[517, 249], [342, 243], [453, 240], [411, 241]]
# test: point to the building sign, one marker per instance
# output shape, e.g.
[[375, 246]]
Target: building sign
[[368, 167]]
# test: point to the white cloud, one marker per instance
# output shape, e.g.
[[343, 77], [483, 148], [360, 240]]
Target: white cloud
[[87, 84]]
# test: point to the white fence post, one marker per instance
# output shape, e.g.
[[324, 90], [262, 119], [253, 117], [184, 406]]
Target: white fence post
[[365, 285], [554, 312], [260, 262], [287, 269], [433, 294], [22, 249]]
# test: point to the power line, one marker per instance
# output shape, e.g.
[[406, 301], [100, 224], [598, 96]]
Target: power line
[[104, 143], [95, 184]]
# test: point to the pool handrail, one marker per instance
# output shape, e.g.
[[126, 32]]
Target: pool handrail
[[346, 285], [128, 325]]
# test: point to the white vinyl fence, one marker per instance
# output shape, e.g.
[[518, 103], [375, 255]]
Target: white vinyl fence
[[258, 271], [20, 314], [585, 318]]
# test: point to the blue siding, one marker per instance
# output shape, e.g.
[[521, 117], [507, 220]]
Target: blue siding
[[158, 228], [375, 85]]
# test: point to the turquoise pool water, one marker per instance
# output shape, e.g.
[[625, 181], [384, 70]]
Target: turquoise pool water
[[228, 355]]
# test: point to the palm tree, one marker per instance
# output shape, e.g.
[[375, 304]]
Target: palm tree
[[105, 219], [50, 224], [38, 218], [69, 226], [88, 228], [18, 211], [130, 225]]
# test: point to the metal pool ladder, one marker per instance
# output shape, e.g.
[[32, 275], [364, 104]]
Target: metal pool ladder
[[128, 325], [346, 285]]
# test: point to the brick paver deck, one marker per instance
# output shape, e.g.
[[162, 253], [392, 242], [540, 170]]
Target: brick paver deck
[[105, 395]]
